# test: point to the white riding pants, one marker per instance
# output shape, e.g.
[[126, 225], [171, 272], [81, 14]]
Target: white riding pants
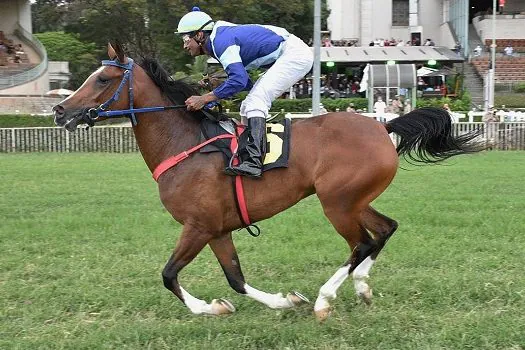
[[293, 64]]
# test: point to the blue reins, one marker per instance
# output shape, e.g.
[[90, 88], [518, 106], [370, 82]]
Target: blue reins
[[93, 114]]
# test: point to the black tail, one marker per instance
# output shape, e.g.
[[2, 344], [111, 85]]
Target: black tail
[[426, 136]]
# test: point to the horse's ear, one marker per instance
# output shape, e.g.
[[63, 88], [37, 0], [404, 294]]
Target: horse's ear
[[111, 52], [116, 51]]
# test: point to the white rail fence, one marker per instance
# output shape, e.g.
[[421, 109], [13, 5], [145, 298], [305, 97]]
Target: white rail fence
[[501, 136]]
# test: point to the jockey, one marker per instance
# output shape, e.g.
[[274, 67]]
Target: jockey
[[240, 48]]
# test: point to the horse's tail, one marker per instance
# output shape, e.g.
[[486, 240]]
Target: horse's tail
[[426, 136]]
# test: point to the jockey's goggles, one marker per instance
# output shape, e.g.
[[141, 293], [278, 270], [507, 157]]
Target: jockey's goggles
[[187, 37]]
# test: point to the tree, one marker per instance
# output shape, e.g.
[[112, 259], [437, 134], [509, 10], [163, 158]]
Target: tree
[[48, 15], [82, 57], [148, 26]]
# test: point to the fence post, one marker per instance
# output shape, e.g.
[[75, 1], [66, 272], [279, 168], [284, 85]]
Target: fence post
[[13, 140], [67, 141], [121, 140]]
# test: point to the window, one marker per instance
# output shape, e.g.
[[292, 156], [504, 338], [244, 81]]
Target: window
[[400, 13]]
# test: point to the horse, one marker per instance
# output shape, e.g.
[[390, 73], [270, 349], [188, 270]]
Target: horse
[[345, 158]]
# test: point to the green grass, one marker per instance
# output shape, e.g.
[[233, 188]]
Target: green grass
[[84, 238]]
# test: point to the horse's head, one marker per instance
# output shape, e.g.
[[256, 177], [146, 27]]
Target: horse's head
[[107, 86]]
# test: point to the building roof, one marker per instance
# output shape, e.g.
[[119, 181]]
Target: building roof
[[373, 54]]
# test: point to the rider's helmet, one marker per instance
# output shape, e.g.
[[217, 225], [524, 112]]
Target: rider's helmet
[[195, 21]]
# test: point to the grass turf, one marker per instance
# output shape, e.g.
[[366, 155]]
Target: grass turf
[[84, 239]]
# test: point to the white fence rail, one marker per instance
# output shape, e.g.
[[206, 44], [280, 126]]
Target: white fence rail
[[98, 139], [501, 136]]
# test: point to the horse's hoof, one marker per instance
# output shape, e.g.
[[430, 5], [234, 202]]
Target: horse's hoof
[[322, 315], [366, 296], [222, 307], [297, 298]]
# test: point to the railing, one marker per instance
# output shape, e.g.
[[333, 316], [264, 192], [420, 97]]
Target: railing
[[100, 139], [30, 74], [499, 136], [509, 86]]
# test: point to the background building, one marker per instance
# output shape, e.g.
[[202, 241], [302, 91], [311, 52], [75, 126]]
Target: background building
[[369, 20]]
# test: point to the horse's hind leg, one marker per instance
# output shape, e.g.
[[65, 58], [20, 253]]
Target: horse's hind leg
[[382, 227], [350, 227], [226, 254]]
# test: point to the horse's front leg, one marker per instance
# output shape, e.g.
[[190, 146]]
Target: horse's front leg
[[226, 254], [189, 245]]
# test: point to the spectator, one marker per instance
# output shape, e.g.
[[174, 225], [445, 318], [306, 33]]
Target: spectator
[[458, 48], [380, 106], [447, 108], [490, 116], [477, 50], [350, 108], [398, 105], [509, 50], [429, 42]]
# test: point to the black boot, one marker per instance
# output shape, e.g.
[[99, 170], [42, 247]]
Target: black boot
[[251, 156]]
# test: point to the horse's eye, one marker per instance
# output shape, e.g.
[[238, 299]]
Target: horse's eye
[[102, 80]]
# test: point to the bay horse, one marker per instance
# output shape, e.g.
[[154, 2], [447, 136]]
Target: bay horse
[[347, 159]]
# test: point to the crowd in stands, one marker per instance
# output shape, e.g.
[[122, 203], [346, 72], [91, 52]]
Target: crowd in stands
[[400, 42], [332, 85], [327, 42], [10, 52]]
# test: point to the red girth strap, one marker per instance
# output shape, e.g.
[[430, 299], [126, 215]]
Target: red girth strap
[[239, 189], [173, 161]]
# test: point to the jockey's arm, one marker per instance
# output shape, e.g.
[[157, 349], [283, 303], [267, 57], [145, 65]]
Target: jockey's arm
[[238, 80]]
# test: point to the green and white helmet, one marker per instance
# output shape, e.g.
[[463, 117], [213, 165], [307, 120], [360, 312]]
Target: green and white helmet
[[193, 21]]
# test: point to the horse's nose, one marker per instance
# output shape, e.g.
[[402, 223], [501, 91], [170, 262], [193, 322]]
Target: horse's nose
[[59, 114], [59, 110]]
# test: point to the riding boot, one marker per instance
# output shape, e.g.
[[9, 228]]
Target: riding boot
[[252, 155]]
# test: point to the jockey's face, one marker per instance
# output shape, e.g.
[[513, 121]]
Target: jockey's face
[[192, 45]]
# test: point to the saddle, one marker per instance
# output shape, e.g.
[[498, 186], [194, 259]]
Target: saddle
[[277, 144]]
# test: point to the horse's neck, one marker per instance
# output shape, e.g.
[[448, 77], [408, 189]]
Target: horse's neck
[[161, 135]]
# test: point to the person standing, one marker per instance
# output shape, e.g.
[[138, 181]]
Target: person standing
[[380, 106]]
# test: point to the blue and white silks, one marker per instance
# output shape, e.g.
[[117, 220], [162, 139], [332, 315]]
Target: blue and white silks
[[242, 47]]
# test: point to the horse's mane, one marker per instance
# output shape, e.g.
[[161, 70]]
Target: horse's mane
[[176, 90]]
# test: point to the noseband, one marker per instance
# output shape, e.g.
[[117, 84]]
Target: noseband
[[92, 115]]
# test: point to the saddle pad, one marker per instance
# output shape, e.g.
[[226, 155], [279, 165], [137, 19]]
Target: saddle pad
[[277, 141]]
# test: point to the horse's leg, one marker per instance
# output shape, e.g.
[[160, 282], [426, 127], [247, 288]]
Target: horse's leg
[[189, 245], [382, 227], [349, 226], [226, 254]]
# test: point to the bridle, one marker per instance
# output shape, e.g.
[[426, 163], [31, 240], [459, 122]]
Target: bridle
[[92, 115]]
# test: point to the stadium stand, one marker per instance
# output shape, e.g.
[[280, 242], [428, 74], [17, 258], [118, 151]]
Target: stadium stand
[[507, 68], [517, 44]]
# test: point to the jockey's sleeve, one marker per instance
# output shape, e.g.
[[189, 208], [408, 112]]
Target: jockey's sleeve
[[238, 78]]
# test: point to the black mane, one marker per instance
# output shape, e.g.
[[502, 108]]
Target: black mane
[[176, 90]]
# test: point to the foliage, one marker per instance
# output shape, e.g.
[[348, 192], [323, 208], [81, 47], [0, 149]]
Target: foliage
[[82, 56], [83, 252], [147, 26], [30, 121], [510, 100], [519, 88], [23, 120], [455, 104], [49, 15]]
